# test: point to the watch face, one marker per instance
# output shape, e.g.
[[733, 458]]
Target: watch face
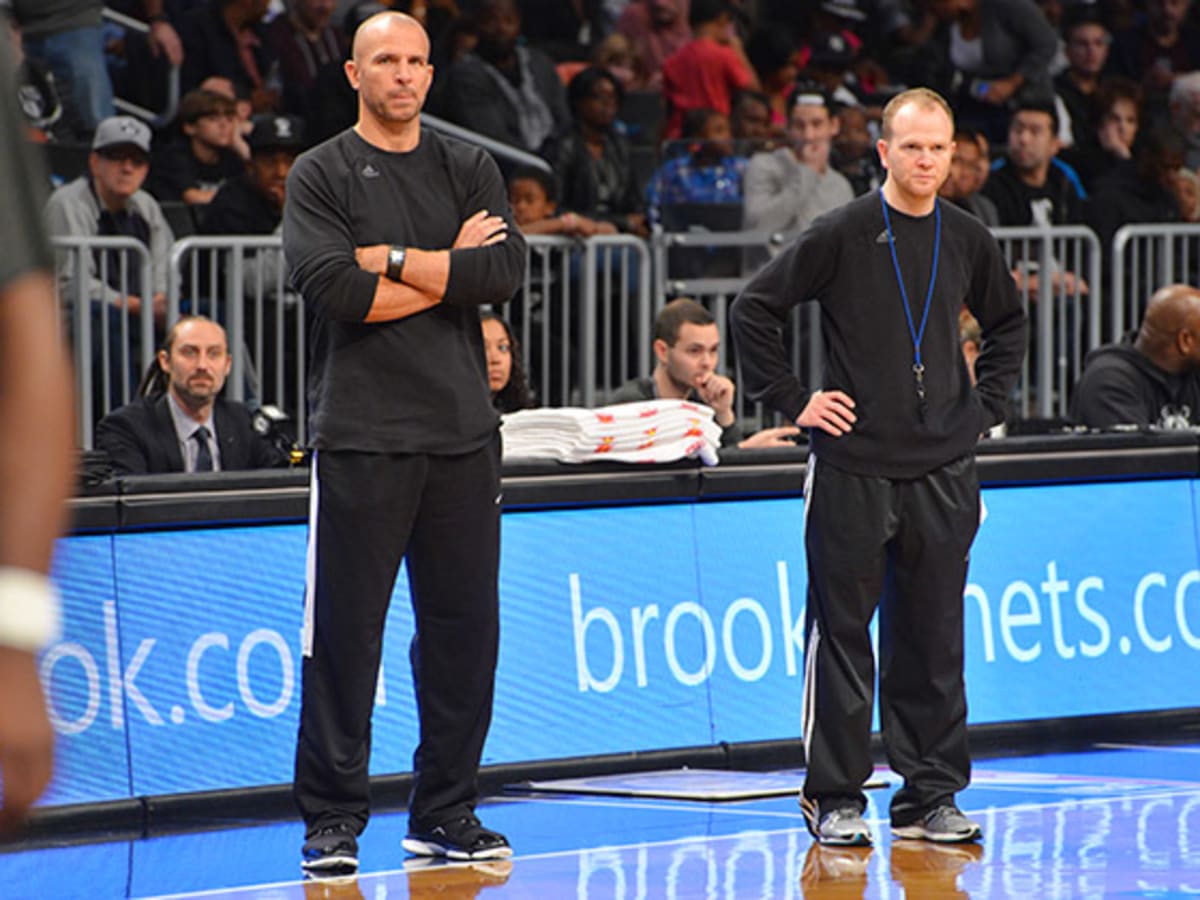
[[395, 262]]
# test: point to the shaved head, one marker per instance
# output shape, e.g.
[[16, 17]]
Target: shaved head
[[389, 67], [378, 25], [1170, 332], [1172, 307]]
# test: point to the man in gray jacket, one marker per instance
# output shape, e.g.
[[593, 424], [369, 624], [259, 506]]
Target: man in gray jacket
[[109, 202], [785, 189]]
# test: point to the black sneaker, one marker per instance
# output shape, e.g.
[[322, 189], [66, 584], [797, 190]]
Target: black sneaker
[[330, 851], [462, 838]]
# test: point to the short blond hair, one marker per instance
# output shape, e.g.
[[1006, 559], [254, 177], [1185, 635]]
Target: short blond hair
[[918, 96]]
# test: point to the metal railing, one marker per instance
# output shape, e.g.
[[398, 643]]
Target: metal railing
[[685, 263], [1064, 307], [584, 315], [499, 149], [1144, 259], [111, 344], [545, 317], [157, 119], [1058, 274], [242, 283]]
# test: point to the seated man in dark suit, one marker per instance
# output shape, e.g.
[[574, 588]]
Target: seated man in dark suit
[[187, 428]]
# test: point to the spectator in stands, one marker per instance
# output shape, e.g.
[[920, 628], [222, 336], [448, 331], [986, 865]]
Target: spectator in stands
[[1157, 49], [789, 187], [968, 171], [985, 55], [707, 171], [37, 91], [304, 40], [1186, 186], [140, 63], [332, 103], [773, 54], [505, 371], [829, 60], [614, 53], [1031, 186], [970, 338], [657, 28], [457, 39], [228, 38], [1087, 44], [593, 161], [188, 427], [709, 69], [109, 201], [68, 37], [1053, 10], [434, 15], [1185, 115], [1116, 116], [192, 167], [687, 347], [504, 89], [751, 122], [533, 194], [854, 153], [566, 31], [1142, 189], [219, 84], [252, 203], [1150, 379], [898, 34]]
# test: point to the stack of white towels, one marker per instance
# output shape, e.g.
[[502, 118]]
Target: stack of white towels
[[651, 431]]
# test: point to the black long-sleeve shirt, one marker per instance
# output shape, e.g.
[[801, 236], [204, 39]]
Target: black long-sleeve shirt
[[418, 384], [842, 262]]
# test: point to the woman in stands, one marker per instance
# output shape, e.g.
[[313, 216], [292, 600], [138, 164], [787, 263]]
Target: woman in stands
[[506, 373]]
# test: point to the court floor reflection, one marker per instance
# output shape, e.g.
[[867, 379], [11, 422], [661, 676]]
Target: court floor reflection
[[1119, 820]]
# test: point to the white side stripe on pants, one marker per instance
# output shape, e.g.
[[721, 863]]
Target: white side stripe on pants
[[809, 699], [310, 562]]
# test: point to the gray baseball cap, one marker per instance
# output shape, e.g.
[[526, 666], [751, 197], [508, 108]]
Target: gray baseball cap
[[117, 131]]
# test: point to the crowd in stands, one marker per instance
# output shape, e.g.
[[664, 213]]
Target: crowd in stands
[[762, 113]]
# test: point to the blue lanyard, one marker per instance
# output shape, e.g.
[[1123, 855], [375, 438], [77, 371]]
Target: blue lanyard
[[917, 335]]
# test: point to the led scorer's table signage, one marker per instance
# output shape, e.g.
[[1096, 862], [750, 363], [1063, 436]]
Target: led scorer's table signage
[[626, 628]]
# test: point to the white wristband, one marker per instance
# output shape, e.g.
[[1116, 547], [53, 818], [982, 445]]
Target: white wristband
[[29, 609]]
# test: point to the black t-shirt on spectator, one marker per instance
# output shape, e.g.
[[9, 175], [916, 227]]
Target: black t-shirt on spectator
[[174, 169]]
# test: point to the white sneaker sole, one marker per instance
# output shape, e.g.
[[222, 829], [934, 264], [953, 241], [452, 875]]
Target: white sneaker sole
[[418, 847], [330, 863], [853, 840], [918, 832]]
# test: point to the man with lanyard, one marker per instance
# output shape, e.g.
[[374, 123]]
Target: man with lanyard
[[891, 495]]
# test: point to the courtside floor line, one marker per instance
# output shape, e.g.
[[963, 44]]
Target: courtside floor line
[[878, 822]]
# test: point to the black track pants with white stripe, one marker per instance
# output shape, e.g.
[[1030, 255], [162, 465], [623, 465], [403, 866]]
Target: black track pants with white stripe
[[901, 546], [441, 514]]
